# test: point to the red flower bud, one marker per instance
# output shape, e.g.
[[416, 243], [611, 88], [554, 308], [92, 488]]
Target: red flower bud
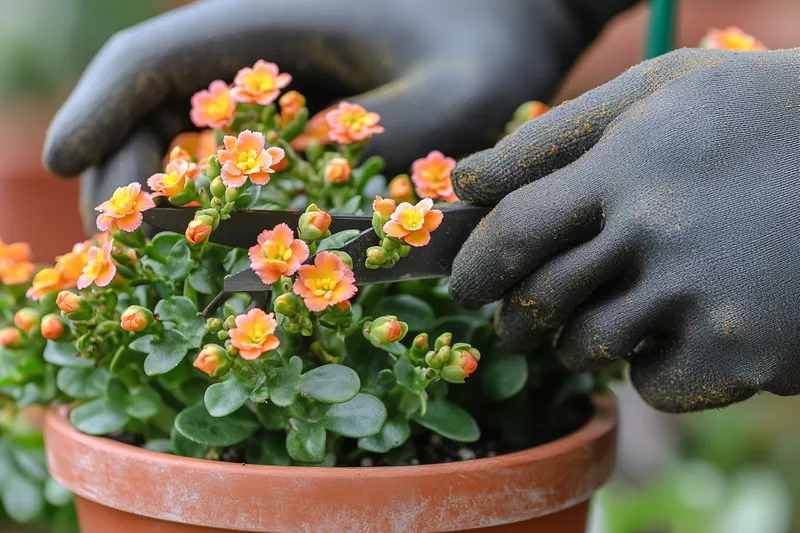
[[136, 319], [52, 327], [26, 319], [198, 231], [385, 330], [338, 170], [11, 337], [213, 360]]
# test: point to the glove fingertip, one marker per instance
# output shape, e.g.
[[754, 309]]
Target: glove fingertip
[[471, 181]]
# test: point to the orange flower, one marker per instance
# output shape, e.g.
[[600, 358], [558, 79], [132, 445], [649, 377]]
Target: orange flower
[[431, 176], [173, 180], [291, 103], [277, 254], [254, 334], [384, 206], [414, 223], [317, 130], [45, 281], [197, 231], [70, 265], [213, 108], [15, 264], [328, 281], [193, 146], [338, 170], [124, 210], [259, 85], [99, 268], [352, 123], [731, 38], [400, 188], [244, 157]]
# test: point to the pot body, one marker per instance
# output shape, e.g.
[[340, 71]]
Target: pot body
[[121, 488]]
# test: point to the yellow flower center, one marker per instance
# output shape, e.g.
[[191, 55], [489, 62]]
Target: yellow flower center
[[247, 161], [412, 219], [258, 82], [122, 201], [219, 106], [323, 287], [172, 179], [737, 42]]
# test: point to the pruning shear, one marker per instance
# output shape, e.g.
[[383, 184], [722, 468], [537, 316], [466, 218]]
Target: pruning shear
[[241, 231]]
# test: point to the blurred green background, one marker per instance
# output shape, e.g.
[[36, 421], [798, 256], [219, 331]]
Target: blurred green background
[[730, 471]]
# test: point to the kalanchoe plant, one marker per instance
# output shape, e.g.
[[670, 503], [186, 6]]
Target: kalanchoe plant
[[320, 373]]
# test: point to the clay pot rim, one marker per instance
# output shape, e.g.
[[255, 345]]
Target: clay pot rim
[[604, 419], [507, 488]]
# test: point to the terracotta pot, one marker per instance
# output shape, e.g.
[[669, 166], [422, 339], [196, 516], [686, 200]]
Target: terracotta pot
[[125, 489]]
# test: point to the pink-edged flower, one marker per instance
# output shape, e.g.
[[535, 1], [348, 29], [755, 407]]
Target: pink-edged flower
[[193, 146], [213, 108], [731, 38], [124, 209], [99, 269], [329, 281], [277, 254], [260, 84], [414, 223], [173, 180], [352, 123], [244, 157], [431, 176], [254, 334]]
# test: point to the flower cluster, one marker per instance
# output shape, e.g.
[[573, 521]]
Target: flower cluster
[[15, 263], [731, 38]]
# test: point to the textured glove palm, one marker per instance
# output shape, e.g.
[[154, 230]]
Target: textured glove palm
[[657, 219]]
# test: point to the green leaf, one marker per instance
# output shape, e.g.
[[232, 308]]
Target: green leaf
[[405, 372], [393, 434], [160, 446], [202, 281], [349, 208], [382, 383], [98, 417], [31, 464], [284, 382], [395, 348], [182, 312], [305, 441], [450, 421], [82, 382], [268, 449], [56, 494], [22, 498], [504, 377], [142, 403], [179, 261], [236, 261], [330, 384], [65, 354], [362, 416], [337, 240], [162, 244], [197, 425], [124, 357], [415, 312], [185, 447], [163, 353], [270, 416], [223, 398]]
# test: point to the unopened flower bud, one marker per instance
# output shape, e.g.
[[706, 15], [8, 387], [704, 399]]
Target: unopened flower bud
[[26, 319], [213, 168], [52, 327], [68, 302], [218, 188], [231, 194], [287, 304], [213, 360], [230, 322], [385, 330], [445, 339], [401, 189], [437, 359], [384, 206], [291, 103], [232, 350], [463, 362], [314, 223], [214, 324], [345, 305], [403, 251], [377, 255], [198, 231], [419, 347], [390, 244], [136, 319], [338, 170], [11, 337]]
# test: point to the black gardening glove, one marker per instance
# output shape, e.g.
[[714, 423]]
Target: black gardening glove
[[443, 74], [657, 218]]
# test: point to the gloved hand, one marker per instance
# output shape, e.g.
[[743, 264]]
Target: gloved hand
[[443, 74], [657, 218]]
